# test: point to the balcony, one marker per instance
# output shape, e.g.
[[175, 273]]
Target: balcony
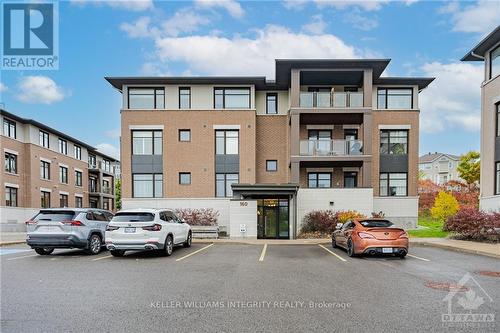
[[330, 147], [331, 100], [93, 189], [100, 165]]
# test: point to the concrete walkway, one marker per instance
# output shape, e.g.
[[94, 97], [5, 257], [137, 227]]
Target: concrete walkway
[[486, 249]]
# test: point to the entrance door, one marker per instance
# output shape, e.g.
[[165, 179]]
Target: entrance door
[[272, 218]]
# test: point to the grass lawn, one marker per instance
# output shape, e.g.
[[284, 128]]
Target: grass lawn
[[434, 228]]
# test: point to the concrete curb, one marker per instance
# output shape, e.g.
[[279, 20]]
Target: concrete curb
[[454, 248], [12, 243]]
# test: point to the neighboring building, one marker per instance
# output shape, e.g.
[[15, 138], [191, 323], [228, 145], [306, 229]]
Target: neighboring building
[[326, 134], [46, 168], [439, 167], [488, 51]]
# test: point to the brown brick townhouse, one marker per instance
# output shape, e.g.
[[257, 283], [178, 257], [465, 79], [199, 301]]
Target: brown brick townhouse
[[325, 134]]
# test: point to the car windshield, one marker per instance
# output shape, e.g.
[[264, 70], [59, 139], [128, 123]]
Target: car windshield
[[376, 223], [55, 215], [133, 217]]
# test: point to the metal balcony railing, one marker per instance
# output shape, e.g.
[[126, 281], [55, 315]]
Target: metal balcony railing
[[330, 147], [331, 100]]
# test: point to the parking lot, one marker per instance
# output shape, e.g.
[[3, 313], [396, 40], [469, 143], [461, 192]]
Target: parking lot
[[222, 287]]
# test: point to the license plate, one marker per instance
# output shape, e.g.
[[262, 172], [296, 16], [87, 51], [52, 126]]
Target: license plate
[[129, 230], [387, 250]]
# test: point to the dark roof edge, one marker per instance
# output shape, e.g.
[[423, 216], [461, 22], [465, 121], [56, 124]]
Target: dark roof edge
[[477, 52], [422, 82]]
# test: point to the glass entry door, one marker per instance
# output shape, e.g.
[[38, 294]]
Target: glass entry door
[[272, 218]]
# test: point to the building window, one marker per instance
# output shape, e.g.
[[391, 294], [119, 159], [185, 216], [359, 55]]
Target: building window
[[498, 118], [497, 178], [10, 163], [78, 152], [271, 103], [271, 165], [107, 165], [350, 179], [147, 185], [44, 139], [185, 178], [92, 185], [78, 202], [495, 62], [184, 135], [10, 196], [63, 200], [226, 142], [92, 161], [78, 178], [395, 98], [147, 142], [146, 98], [9, 128], [184, 98], [232, 98], [63, 174], [223, 182], [63, 146], [45, 199], [394, 142], [393, 184], [319, 179], [105, 187], [45, 170]]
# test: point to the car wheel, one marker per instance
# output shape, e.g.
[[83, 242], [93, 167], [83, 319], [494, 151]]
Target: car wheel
[[94, 244], [117, 253], [169, 246], [188, 241], [44, 251], [350, 248], [334, 242], [402, 256]]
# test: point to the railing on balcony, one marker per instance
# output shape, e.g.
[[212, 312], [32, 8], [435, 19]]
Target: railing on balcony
[[330, 147], [331, 100], [101, 166], [103, 189]]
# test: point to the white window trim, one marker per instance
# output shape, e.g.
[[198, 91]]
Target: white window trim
[[78, 195], [146, 127], [11, 185], [77, 169], [10, 151], [395, 127], [64, 192], [45, 160], [64, 165], [43, 189], [227, 127], [320, 127]]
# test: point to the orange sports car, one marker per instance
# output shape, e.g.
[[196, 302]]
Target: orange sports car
[[370, 236]]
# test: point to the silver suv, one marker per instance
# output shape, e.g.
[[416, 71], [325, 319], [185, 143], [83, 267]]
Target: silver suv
[[82, 228]]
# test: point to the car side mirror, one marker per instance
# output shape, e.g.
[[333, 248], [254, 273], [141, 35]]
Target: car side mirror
[[182, 221], [338, 226]]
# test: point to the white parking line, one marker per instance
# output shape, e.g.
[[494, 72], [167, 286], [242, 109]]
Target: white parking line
[[193, 253], [423, 259], [331, 252], [100, 258], [263, 253], [32, 255]]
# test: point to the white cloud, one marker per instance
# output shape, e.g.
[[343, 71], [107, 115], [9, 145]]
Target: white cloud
[[3, 87], [295, 4], [138, 29], [359, 21], [480, 17], [231, 6], [39, 90], [132, 5], [184, 20], [368, 5], [453, 99], [317, 26], [108, 149]]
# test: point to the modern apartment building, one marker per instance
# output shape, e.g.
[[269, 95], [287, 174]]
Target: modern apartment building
[[325, 134], [45, 168], [488, 51], [439, 168]]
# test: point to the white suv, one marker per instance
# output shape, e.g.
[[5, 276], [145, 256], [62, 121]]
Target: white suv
[[146, 229]]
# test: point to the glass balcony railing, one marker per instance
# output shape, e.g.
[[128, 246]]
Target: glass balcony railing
[[330, 147], [331, 100]]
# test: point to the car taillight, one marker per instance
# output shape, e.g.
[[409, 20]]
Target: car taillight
[[73, 223], [365, 235], [111, 228], [403, 235], [155, 227], [30, 222]]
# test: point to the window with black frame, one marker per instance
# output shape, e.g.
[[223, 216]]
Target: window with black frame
[[232, 98], [184, 98], [146, 98], [11, 163], [9, 128], [495, 62], [223, 182], [11, 196], [497, 178], [395, 98], [394, 142], [319, 179], [393, 184], [271, 103], [44, 139], [147, 142], [147, 185]]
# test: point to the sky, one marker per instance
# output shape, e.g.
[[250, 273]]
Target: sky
[[211, 37]]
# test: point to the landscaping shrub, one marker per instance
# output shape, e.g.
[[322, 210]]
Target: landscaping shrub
[[344, 216], [322, 223], [445, 206], [466, 195], [198, 216], [472, 224]]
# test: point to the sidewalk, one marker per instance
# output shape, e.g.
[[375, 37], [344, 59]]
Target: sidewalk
[[485, 249], [7, 238]]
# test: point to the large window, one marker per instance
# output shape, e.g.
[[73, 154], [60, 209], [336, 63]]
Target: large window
[[10, 196], [393, 184], [350, 179], [146, 98], [394, 142], [92, 161], [147, 185], [63, 174], [78, 152], [63, 200], [9, 128], [44, 199], [184, 98], [497, 178], [319, 179], [78, 202], [498, 118], [44, 170], [401, 98], [232, 98], [78, 178], [147, 142], [226, 142], [271, 103], [43, 139], [10, 163], [106, 165], [495, 62], [223, 182], [63, 146]]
